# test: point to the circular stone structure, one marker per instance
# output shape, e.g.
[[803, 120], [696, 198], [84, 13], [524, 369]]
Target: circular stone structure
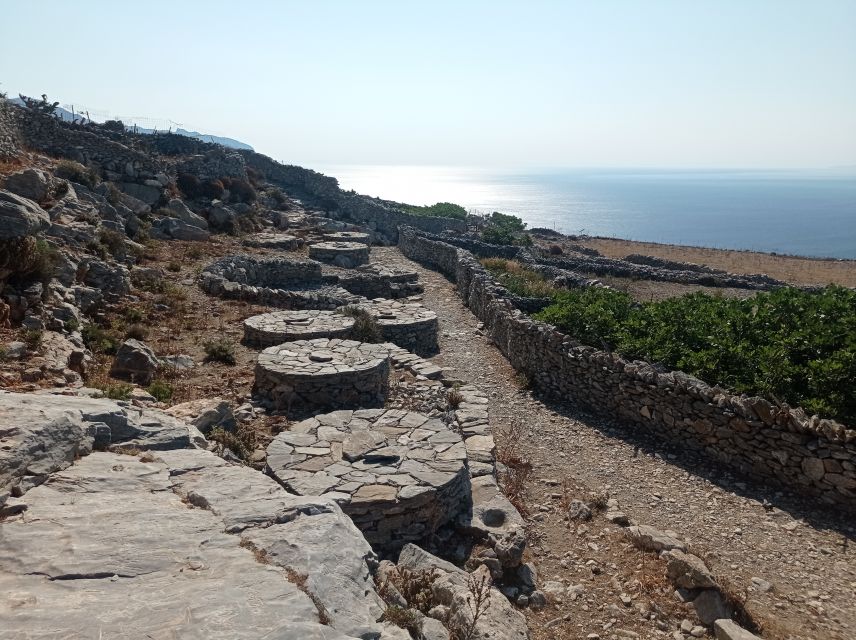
[[410, 326], [341, 254], [274, 241], [348, 236], [309, 375], [398, 474], [270, 329]]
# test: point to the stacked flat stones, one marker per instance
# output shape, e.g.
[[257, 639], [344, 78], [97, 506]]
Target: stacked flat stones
[[270, 329], [348, 236], [341, 254], [398, 474], [306, 376], [274, 241], [408, 325]]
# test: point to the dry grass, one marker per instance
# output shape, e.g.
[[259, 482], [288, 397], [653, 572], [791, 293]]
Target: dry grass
[[792, 269], [517, 469]]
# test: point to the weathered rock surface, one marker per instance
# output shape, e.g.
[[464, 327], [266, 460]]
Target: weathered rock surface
[[205, 414], [33, 184], [452, 588], [135, 361], [107, 548], [20, 216], [651, 539], [725, 629], [688, 571], [42, 433]]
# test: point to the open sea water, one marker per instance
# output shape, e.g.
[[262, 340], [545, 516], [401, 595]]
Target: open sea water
[[810, 213]]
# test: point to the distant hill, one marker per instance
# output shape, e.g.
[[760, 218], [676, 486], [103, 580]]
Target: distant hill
[[66, 115]]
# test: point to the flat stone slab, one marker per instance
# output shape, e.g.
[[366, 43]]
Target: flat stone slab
[[397, 473], [284, 241], [348, 236], [308, 375], [275, 328], [341, 254]]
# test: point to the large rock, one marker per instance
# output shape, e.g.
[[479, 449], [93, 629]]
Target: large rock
[[108, 548], [135, 361], [492, 516], [179, 230], [453, 588], [145, 193], [183, 213], [20, 216], [33, 184], [205, 414], [41, 433], [688, 571], [710, 606], [725, 629], [651, 539], [222, 217]]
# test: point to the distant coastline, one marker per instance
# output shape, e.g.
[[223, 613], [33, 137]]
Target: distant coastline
[[810, 214]]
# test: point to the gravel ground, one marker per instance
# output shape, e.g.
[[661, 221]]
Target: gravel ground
[[749, 536]]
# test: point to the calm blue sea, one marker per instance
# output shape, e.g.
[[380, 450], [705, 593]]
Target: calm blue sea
[[796, 212]]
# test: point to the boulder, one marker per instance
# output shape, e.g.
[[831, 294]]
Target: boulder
[[688, 571], [181, 211], [205, 414], [222, 217], [135, 361], [726, 629], [179, 230], [492, 516], [651, 539], [144, 193], [33, 184], [20, 216], [453, 588]]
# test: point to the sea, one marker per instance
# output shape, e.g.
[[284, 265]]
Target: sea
[[809, 213]]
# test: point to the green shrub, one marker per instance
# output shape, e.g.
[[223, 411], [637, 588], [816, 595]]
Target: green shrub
[[366, 328], [788, 345], [113, 242], [161, 390], [99, 340], [33, 338], [72, 324], [220, 351], [505, 229], [519, 280], [118, 391], [439, 210], [76, 172], [136, 331]]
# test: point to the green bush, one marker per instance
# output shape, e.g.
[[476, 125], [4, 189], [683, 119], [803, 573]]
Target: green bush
[[439, 210], [99, 340], [519, 280], [161, 390], [220, 351], [788, 345], [366, 328], [118, 391], [76, 172], [505, 229]]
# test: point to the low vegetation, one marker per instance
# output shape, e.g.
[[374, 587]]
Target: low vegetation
[[366, 328], [518, 279], [788, 345], [439, 210], [501, 228], [220, 351]]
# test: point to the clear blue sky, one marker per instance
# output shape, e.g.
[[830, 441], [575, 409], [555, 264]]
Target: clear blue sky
[[607, 83]]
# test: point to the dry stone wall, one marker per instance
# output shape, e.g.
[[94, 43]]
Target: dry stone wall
[[782, 444]]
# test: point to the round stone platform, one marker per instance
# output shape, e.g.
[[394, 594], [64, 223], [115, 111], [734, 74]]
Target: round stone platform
[[410, 326], [342, 254], [399, 475], [270, 329], [322, 374], [348, 236], [273, 241]]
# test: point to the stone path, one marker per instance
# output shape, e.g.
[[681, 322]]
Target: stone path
[[794, 563]]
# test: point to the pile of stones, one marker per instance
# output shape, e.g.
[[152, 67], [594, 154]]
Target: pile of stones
[[284, 241], [400, 475], [410, 326]]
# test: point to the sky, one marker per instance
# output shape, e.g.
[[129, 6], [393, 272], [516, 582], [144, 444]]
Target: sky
[[607, 83]]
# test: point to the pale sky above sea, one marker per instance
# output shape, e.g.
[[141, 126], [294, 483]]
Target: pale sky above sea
[[613, 83]]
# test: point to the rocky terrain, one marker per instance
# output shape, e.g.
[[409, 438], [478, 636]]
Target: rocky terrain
[[228, 411]]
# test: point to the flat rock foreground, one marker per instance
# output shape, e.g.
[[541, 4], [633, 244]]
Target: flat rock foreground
[[240, 402]]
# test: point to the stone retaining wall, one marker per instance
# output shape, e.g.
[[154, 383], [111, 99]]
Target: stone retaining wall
[[814, 456], [9, 137]]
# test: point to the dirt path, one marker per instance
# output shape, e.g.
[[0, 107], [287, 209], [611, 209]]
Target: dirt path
[[795, 565]]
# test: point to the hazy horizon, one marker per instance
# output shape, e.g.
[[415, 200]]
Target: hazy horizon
[[618, 84]]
